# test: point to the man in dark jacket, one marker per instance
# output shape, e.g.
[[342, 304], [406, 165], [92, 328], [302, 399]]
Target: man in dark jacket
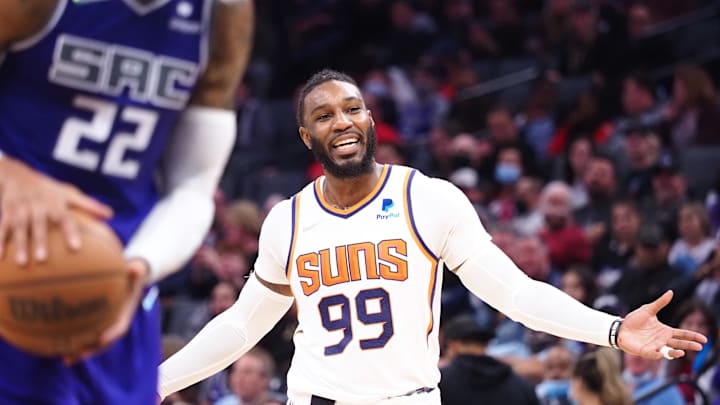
[[472, 377]]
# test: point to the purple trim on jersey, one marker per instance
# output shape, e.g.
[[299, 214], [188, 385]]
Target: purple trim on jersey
[[358, 209], [293, 233], [412, 217]]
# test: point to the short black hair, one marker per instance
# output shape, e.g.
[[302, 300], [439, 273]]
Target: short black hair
[[315, 80], [642, 80], [466, 328], [606, 156]]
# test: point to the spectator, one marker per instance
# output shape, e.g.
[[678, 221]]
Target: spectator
[[693, 113], [187, 320], [467, 180], [249, 379], [642, 376], [613, 255], [474, 378], [579, 153], [669, 194], [410, 34], [645, 51], [528, 218], [555, 386], [601, 182], [590, 50], [698, 365], [649, 274], [538, 121], [596, 379], [241, 227], [508, 170], [530, 254], [639, 103], [566, 242], [507, 29], [642, 149], [696, 243], [389, 145], [504, 133], [579, 283]]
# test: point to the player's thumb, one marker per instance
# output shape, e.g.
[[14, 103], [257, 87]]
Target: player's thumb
[[661, 302]]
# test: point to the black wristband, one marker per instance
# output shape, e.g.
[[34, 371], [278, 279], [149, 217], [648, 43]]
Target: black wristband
[[614, 332]]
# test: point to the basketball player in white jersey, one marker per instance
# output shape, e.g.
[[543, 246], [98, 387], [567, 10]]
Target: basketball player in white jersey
[[361, 250]]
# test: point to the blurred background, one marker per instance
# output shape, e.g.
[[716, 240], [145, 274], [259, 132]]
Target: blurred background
[[585, 132]]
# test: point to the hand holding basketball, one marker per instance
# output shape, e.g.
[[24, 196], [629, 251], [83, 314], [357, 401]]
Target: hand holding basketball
[[137, 272], [64, 305], [30, 202]]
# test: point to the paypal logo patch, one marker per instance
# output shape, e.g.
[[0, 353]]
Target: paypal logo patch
[[387, 204]]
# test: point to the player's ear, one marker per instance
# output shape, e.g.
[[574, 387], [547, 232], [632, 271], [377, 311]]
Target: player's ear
[[305, 136], [372, 121]]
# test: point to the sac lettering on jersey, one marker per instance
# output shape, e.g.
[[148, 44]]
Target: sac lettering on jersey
[[106, 68], [366, 260]]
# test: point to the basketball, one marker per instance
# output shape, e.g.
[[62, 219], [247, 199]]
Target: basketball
[[60, 306]]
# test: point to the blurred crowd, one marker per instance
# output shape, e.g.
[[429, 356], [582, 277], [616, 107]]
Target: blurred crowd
[[585, 132]]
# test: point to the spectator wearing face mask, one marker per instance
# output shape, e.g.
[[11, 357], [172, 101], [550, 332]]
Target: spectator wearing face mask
[[642, 377], [508, 170], [503, 132], [555, 386]]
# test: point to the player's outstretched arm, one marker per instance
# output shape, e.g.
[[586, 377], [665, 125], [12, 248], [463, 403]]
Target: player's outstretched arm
[[227, 337], [262, 302], [462, 242], [198, 149], [493, 277]]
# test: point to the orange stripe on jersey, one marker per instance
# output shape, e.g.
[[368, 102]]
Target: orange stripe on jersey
[[344, 213], [294, 218], [421, 244]]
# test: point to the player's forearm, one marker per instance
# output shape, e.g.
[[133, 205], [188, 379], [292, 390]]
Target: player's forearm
[[224, 339], [194, 162], [493, 277]]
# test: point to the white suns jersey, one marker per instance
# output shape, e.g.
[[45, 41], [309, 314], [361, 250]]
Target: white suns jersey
[[366, 282]]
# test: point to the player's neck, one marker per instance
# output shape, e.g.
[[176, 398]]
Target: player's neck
[[343, 193]]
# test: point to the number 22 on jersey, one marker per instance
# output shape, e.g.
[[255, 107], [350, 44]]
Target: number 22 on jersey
[[98, 129]]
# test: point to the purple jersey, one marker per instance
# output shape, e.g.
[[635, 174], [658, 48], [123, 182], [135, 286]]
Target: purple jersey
[[93, 98]]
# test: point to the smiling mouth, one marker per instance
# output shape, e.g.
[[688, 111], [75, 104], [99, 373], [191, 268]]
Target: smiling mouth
[[345, 141], [346, 144]]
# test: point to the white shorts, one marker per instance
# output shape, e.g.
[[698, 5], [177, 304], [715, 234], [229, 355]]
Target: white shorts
[[425, 398]]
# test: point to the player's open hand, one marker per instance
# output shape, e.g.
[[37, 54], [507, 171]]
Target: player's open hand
[[642, 334], [29, 200], [138, 274]]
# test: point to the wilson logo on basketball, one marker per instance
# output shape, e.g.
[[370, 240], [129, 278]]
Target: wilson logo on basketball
[[55, 309]]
